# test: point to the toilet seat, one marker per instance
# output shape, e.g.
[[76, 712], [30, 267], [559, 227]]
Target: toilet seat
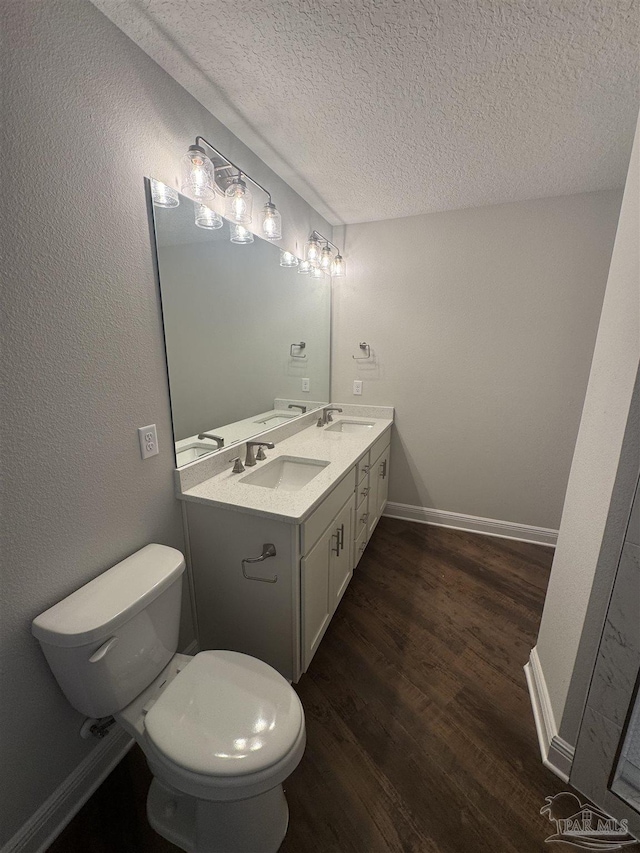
[[226, 727]]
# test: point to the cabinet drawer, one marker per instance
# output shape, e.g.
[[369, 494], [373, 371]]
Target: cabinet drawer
[[380, 446], [317, 523], [362, 492], [359, 545], [362, 468], [361, 519]]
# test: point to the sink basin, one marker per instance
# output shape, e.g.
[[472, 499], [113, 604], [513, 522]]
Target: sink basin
[[287, 473], [193, 451], [350, 426], [275, 419]]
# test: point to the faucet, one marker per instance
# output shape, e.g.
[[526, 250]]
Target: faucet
[[219, 441], [250, 459], [326, 416], [303, 409]]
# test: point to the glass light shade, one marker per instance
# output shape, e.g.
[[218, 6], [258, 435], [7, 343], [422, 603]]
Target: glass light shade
[[316, 272], [288, 260], [207, 218], [338, 267], [326, 258], [240, 234], [162, 195], [271, 222], [312, 252], [304, 267], [238, 202], [198, 181]]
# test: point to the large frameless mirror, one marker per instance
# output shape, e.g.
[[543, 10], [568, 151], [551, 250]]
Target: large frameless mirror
[[247, 340]]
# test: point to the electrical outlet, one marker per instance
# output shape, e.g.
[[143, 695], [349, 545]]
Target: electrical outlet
[[148, 441], [357, 387], [306, 385]]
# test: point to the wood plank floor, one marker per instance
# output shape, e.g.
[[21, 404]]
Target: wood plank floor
[[420, 731]]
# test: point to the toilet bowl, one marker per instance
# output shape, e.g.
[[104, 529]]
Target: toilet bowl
[[221, 731]]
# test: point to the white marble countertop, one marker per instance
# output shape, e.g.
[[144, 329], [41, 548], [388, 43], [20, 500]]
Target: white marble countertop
[[340, 450]]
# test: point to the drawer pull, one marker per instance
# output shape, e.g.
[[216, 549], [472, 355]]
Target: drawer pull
[[383, 468], [365, 491], [366, 469], [364, 518], [336, 550]]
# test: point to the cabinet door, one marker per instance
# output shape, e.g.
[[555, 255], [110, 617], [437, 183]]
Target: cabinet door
[[316, 595], [341, 569]]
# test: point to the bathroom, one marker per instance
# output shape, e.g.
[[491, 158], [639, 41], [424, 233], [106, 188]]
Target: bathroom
[[474, 165]]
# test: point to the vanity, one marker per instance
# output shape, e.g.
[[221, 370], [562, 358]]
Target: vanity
[[271, 547], [315, 501]]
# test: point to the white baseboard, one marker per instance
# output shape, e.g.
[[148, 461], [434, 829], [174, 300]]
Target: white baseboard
[[473, 523], [66, 801], [557, 754], [191, 649]]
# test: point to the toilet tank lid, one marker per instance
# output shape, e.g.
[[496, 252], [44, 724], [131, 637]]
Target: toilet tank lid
[[108, 601]]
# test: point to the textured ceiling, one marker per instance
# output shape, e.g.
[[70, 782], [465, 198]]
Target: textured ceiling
[[374, 109]]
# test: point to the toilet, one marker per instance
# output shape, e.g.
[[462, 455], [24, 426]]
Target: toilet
[[221, 731]]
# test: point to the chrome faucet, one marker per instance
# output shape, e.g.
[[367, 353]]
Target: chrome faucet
[[326, 416], [219, 441], [250, 459], [303, 409]]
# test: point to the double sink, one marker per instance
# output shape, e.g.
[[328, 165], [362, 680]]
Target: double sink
[[292, 473]]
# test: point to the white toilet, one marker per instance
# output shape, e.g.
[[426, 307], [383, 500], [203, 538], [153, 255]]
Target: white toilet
[[221, 730]]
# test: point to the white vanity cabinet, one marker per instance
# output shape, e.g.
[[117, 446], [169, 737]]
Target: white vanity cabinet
[[240, 606]]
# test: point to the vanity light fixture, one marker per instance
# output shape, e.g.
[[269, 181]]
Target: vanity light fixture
[[202, 177], [316, 272], [240, 234], [198, 176], [327, 262], [312, 250], [238, 201], [207, 218], [287, 259], [162, 195], [304, 268]]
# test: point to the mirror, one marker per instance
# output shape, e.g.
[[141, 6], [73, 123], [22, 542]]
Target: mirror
[[241, 333]]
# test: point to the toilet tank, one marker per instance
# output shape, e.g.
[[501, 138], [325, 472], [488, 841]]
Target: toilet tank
[[106, 642]]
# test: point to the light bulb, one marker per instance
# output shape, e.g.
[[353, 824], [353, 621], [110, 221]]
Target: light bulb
[[271, 222], [238, 201], [240, 234], [162, 195], [325, 258], [206, 218], [312, 251], [198, 175], [288, 260], [338, 267], [316, 272], [304, 267]]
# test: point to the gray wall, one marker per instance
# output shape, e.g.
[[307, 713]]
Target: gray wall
[[594, 468], [87, 116], [482, 323]]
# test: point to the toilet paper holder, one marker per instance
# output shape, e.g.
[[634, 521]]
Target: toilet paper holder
[[268, 550]]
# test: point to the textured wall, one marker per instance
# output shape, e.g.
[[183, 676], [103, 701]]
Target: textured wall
[[87, 115], [595, 461], [483, 324]]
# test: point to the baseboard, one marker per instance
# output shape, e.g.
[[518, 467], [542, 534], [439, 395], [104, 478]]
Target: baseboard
[[557, 754], [191, 649], [473, 523], [54, 814]]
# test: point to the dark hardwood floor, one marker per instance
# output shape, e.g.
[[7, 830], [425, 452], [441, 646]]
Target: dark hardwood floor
[[419, 726]]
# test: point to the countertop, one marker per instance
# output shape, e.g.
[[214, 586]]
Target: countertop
[[340, 450]]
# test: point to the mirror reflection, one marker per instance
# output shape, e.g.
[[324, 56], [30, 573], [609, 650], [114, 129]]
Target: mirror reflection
[[247, 339]]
